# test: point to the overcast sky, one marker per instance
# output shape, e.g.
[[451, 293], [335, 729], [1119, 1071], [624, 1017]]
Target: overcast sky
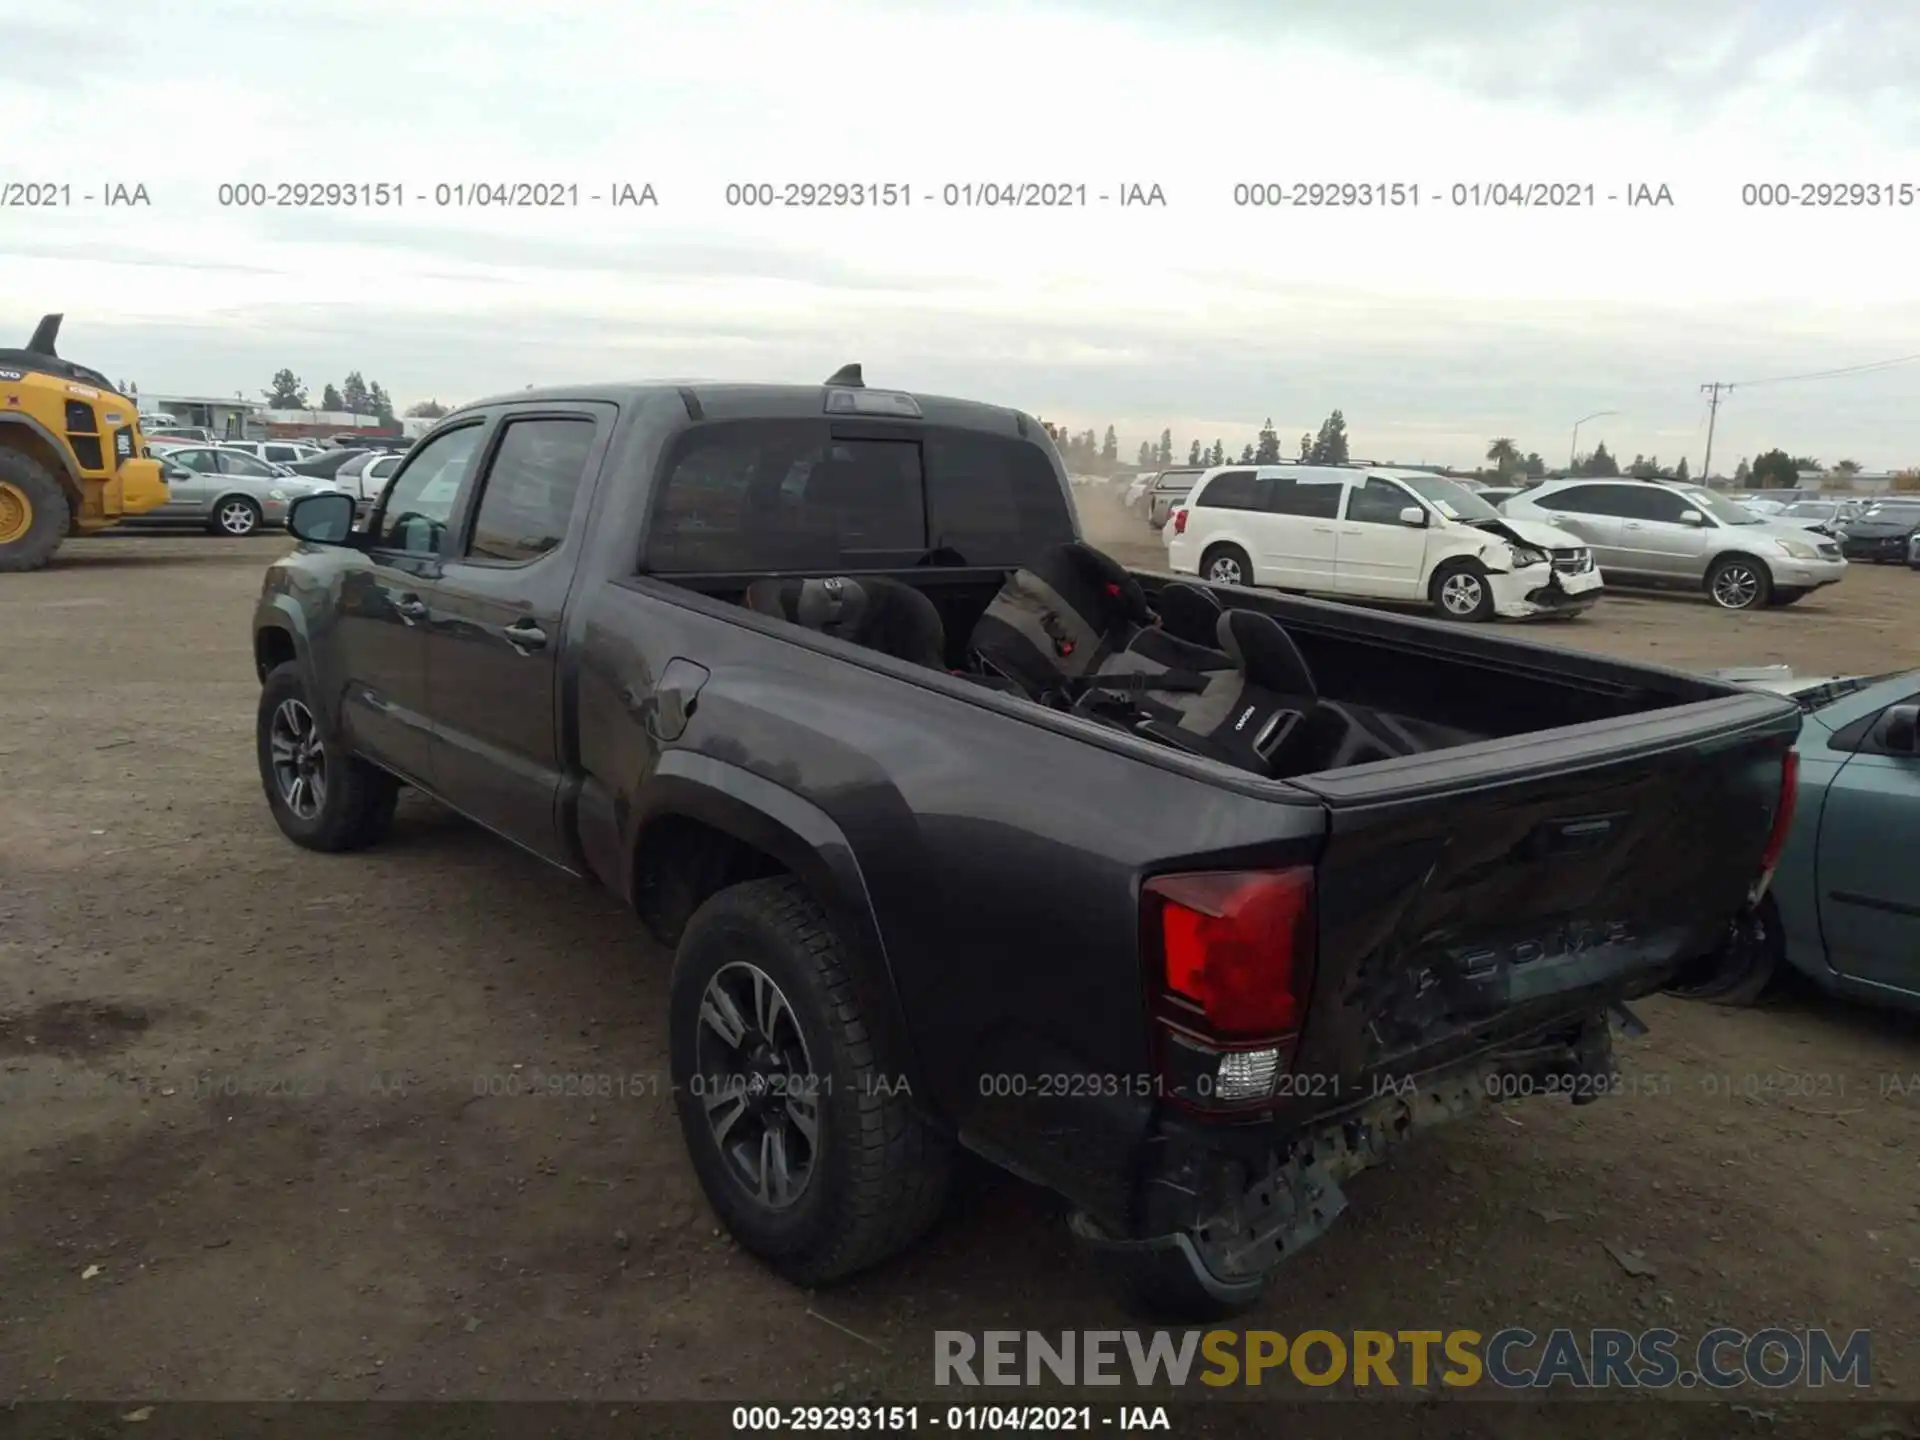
[[1434, 327]]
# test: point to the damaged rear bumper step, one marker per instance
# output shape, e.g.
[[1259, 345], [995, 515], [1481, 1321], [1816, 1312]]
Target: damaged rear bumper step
[[1244, 1225]]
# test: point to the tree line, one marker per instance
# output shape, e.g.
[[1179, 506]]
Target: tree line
[[1088, 451], [354, 395]]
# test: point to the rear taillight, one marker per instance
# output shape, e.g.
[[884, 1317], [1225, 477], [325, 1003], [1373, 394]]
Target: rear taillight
[[1782, 815], [1233, 955], [1180, 521]]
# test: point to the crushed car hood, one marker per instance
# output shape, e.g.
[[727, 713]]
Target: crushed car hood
[[1538, 534]]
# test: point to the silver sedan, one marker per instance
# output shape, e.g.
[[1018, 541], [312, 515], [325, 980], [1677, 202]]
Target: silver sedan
[[227, 492]]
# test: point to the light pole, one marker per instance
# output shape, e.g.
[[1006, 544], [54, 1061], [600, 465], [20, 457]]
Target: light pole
[[1573, 446]]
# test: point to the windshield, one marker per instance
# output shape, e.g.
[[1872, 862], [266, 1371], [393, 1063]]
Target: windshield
[[1449, 497], [1894, 510], [1727, 512]]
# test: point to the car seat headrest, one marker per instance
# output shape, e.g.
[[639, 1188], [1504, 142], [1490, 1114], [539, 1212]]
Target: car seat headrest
[[1265, 652]]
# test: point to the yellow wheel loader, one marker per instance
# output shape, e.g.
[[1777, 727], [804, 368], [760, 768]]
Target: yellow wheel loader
[[72, 460]]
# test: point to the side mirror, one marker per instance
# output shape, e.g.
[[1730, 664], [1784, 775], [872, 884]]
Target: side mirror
[[1899, 730], [1692, 517], [323, 519], [1414, 516]]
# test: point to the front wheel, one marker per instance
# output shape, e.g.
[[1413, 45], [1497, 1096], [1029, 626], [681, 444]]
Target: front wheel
[[1461, 591], [1739, 582], [804, 1136], [322, 797], [235, 516], [34, 512], [1226, 565]]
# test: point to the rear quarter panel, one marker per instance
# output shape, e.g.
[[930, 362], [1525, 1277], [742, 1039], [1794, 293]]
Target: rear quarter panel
[[1002, 859]]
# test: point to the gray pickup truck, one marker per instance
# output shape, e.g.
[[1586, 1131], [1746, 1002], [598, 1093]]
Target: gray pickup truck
[[1182, 901]]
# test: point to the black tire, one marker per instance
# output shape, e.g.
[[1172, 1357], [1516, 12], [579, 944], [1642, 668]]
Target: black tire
[[48, 517], [1229, 559], [1783, 596], [1748, 968], [356, 800], [232, 508], [1739, 582], [1460, 590], [876, 1173]]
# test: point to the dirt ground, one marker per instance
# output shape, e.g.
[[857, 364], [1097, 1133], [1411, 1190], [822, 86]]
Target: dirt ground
[[252, 1145]]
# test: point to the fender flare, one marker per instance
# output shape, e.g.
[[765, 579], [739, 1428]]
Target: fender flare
[[27, 422], [810, 845]]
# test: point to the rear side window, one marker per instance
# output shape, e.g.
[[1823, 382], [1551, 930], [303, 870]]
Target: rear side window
[[1585, 500], [786, 495], [1649, 503], [1315, 500], [1231, 490], [993, 499], [526, 501]]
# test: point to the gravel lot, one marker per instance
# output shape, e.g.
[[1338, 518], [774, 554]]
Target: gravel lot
[[247, 1151]]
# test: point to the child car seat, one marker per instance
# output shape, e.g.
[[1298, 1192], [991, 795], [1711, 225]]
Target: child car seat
[[1188, 612], [877, 613], [1074, 630]]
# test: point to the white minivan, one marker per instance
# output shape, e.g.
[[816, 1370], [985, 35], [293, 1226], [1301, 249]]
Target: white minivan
[[1376, 533]]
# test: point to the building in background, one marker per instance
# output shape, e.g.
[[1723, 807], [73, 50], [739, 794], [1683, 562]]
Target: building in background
[[233, 418], [320, 424]]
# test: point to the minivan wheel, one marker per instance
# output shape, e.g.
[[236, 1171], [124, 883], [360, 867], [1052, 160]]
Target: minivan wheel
[[1460, 591], [1738, 582], [804, 1137], [1226, 565]]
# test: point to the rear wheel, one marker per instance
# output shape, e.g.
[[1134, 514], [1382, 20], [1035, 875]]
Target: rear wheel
[[1461, 591], [235, 515], [801, 1131], [1739, 582], [34, 512], [1226, 565]]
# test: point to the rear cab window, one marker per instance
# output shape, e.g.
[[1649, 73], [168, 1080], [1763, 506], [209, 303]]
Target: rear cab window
[[758, 496]]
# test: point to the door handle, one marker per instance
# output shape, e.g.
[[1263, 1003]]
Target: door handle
[[410, 608], [1323, 529], [525, 636]]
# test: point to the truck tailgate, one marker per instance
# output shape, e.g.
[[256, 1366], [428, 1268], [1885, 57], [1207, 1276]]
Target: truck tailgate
[[1473, 895]]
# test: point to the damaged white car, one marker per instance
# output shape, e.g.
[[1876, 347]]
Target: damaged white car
[[1375, 533]]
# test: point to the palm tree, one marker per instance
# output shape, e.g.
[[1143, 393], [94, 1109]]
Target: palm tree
[[1505, 455]]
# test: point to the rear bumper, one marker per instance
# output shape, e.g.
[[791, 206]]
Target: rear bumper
[[1232, 1203]]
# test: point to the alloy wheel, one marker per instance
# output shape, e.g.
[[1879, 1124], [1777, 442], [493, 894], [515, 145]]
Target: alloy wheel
[[299, 759], [1736, 587], [237, 518], [757, 1085], [1224, 571], [1462, 594]]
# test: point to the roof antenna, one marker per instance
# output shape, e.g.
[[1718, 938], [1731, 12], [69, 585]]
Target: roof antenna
[[48, 331], [847, 376]]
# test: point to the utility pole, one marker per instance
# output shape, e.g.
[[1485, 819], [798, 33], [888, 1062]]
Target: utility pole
[[1712, 392]]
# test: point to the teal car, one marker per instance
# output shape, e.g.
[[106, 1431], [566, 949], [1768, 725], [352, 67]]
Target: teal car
[[1843, 907]]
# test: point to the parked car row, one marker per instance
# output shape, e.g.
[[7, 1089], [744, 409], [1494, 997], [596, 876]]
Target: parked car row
[[225, 489], [1379, 533]]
